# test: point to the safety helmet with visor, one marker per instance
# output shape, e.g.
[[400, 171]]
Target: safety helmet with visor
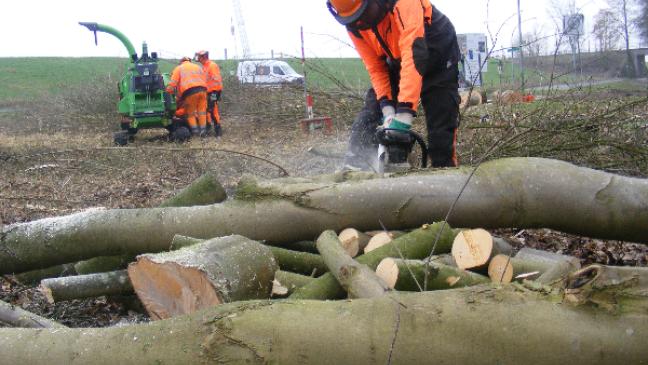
[[359, 14], [201, 54]]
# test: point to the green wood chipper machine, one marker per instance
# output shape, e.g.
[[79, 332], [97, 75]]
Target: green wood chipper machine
[[143, 102]]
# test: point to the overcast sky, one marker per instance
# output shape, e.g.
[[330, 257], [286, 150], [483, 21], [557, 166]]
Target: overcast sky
[[50, 28]]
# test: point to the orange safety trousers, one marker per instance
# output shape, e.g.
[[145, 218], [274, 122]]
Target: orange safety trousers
[[196, 107], [213, 115]]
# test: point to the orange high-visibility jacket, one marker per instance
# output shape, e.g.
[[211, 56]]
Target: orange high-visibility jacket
[[403, 33], [214, 79], [186, 76]]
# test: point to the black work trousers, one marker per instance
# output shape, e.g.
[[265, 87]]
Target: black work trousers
[[440, 101]]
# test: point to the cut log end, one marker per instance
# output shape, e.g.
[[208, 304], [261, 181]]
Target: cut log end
[[278, 290], [388, 271], [168, 289], [379, 240], [500, 269], [47, 293], [350, 241], [472, 248]]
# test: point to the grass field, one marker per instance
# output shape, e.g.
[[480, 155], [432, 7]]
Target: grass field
[[28, 78], [25, 78]]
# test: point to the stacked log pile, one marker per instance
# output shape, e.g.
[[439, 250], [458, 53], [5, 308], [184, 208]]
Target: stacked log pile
[[208, 274]]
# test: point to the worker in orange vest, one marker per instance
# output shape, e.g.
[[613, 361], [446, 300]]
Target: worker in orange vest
[[189, 83], [410, 51], [214, 89]]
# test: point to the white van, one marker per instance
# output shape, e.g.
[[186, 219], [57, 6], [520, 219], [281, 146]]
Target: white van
[[267, 72]]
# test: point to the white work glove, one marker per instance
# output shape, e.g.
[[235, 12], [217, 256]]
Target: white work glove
[[388, 113], [402, 121]]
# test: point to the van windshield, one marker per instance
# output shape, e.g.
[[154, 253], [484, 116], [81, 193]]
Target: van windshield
[[288, 70]]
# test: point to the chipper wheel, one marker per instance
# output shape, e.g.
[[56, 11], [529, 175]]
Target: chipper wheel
[[121, 138], [181, 134]]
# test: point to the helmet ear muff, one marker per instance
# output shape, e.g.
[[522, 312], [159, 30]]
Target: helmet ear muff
[[347, 20]]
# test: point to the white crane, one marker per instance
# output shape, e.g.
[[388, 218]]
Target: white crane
[[240, 23]]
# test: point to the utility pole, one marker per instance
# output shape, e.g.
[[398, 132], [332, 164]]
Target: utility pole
[[520, 45], [309, 99]]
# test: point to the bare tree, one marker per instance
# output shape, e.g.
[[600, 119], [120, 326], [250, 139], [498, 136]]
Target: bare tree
[[607, 29], [624, 9], [534, 42], [641, 20], [557, 10]]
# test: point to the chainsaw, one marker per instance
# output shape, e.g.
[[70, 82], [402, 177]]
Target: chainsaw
[[394, 148]]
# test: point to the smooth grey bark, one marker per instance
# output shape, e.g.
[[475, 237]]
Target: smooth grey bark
[[516, 192], [473, 325], [289, 281], [203, 191], [410, 275], [417, 244], [86, 286], [219, 270], [358, 280], [15, 316], [288, 260]]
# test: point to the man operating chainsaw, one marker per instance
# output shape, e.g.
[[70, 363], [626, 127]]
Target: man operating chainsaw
[[214, 90], [189, 83], [411, 53]]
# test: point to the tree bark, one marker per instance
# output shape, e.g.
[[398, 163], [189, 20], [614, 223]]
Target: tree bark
[[504, 268], [15, 316], [617, 289], [414, 245], [103, 264], [299, 262], [288, 260], [285, 282], [545, 257], [409, 275], [516, 192], [358, 280], [86, 286], [479, 324], [216, 271], [35, 276], [204, 190]]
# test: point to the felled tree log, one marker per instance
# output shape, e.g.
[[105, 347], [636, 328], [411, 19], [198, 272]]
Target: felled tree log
[[479, 324], [203, 191], [473, 249], [35, 276], [103, 264], [86, 286], [516, 192], [299, 262], [409, 275], [558, 265], [285, 282], [414, 245], [17, 317], [504, 268], [358, 280], [212, 272], [288, 260], [614, 288]]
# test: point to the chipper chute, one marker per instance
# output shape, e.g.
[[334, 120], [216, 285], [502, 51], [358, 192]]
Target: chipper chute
[[143, 102]]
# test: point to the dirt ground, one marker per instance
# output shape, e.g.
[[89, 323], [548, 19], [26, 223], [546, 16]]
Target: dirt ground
[[56, 163]]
